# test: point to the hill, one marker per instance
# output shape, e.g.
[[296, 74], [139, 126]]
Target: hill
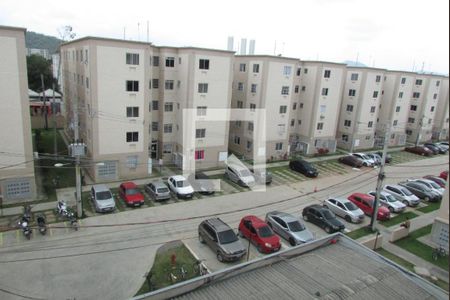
[[42, 41]]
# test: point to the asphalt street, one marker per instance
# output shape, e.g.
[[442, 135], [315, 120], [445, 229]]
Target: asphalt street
[[109, 256]]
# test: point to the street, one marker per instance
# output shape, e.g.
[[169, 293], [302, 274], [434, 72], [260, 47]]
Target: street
[[110, 261]]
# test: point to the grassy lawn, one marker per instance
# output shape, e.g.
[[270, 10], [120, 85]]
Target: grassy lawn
[[411, 244], [398, 219], [360, 232], [162, 267], [431, 206]]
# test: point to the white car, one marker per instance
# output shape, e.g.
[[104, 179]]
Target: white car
[[402, 194], [367, 161], [390, 202], [430, 184], [180, 186], [344, 208]]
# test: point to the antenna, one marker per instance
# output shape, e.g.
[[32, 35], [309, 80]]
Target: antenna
[[139, 33], [357, 58], [414, 65], [423, 66], [148, 35], [124, 32], [275, 48]]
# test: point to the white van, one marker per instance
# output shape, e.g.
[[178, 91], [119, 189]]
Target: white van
[[240, 175], [102, 198]]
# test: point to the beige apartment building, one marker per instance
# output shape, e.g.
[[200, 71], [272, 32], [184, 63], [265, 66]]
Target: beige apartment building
[[131, 96], [17, 181], [441, 120]]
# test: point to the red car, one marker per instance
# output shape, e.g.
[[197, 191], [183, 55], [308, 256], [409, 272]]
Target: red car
[[420, 150], [444, 175], [260, 234], [130, 193], [365, 202]]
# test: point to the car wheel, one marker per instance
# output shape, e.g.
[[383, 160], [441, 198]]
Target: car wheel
[[365, 164], [200, 239], [391, 209], [219, 257], [405, 202], [348, 218], [328, 229], [426, 199], [292, 242], [306, 218]]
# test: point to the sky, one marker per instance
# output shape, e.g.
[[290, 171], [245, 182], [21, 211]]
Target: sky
[[411, 35]]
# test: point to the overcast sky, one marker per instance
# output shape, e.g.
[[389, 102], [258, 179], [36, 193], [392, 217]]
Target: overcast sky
[[393, 34]]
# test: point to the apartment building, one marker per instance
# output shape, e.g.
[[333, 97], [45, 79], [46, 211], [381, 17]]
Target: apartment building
[[130, 97], [394, 107], [441, 120], [17, 182], [264, 82], [423, 104]]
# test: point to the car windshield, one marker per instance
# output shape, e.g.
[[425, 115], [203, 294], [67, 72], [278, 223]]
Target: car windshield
[[434, 185], [350, 206], [406, 192], [226, 237], [390, 198], [265, 232], [104, 195], [245, 173], [328, 215], [163, 190], [296, 226], [132, 191], [182, 183]]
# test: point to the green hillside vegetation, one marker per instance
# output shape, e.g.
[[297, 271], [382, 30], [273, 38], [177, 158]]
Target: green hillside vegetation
[[42, 41]]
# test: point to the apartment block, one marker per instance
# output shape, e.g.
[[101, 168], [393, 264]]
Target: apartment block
[[423, 105], [130, 97], [316, 107], [17, 181], [441, 120]]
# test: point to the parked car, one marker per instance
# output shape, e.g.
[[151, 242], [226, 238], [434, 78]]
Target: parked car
[[289, 227], [303, 167], [344, 208], [388, 158], [367, 161], [240, 175], [351, 161], [157, 190], [444, 175], [102, 198], [441, 182], [129, 192], [322, 217], [366, 203], [180, 186], [259, 233], [390, 202], [262, 176], [375, 157], [421, 191], [402, 194], [221, 239], [201, 183], [430, 184], [443, 145], [420, 150], [433, 147]]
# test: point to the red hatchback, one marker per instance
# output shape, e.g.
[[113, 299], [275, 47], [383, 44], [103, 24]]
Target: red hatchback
[[260, 234], [130, 193], [365, 202]]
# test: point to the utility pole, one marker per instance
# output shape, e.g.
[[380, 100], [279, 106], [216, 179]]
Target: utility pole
[[381, 177], [77, 158], [54, 122], [419, 133], [45, 107]]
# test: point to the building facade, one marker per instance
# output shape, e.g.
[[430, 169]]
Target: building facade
[[441, 121], [17, 181]]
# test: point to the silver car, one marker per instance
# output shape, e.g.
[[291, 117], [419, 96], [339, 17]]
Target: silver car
[[367, 161], [402, 194], [102, 198], [430, 184], [262, 176], [344, 208], [289, 227], [157, 190], [390, 202]]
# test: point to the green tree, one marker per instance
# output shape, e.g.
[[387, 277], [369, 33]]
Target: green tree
[[37, 65]]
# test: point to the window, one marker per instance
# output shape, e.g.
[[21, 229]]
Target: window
[[201, 110], [368, 137], [168, 85], [354, 77], [132, 59], [132, 136], [378, 78], [155, 105], [155, 83], [240, 86], [347, 123], [237, 140], [86, 55], [250, 126], [18, 189], [255, 68], [155, 126], [281, 128], [279, 146], [203, 64], [432, 109], [319, 126], [199, 154], [411, 120], [413, 107], [375, 94], [305, 71], [240, 104], [400, 95], [327, 74], [200, 133], [292, 122], [155, 61], [301, 105], [132, 161], [132, 112], [168, 128], [170, 62], [438, 83], [349, 108], [351, 92], [249, 145], [416, 95], [203, 88], [87, 82], [299, 122], [418, 81], [242, 67], [252, 107], [283, 109], [132, 86], [403, 80], [294, 106], [397, 109], [430, 120], [287, 70], [345, 137], [167, 148], [168, 106], [408, 131], [323, 109], [372, 109], [299, 71], [253, 88], [284, 90], [435, 96], [325, 92], [296, 89], [303, 88], [370, 124]]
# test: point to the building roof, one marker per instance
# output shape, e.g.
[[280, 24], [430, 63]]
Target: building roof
[[334, 267], [49, 93], [12, 28], [32, 93]]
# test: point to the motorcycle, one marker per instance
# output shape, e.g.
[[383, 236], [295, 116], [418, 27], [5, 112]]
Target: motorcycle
[[64, 211], [72, 219], [26, 230], [40, 220]]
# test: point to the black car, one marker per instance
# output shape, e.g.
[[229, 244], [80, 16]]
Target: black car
[[201, 183], [351, 161], [388, 158], [435, 148], [421, 191], [303, 167], [322, 217]]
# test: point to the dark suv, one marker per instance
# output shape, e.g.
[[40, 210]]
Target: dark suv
[[322, 217], [303, 167], [221, 239]]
